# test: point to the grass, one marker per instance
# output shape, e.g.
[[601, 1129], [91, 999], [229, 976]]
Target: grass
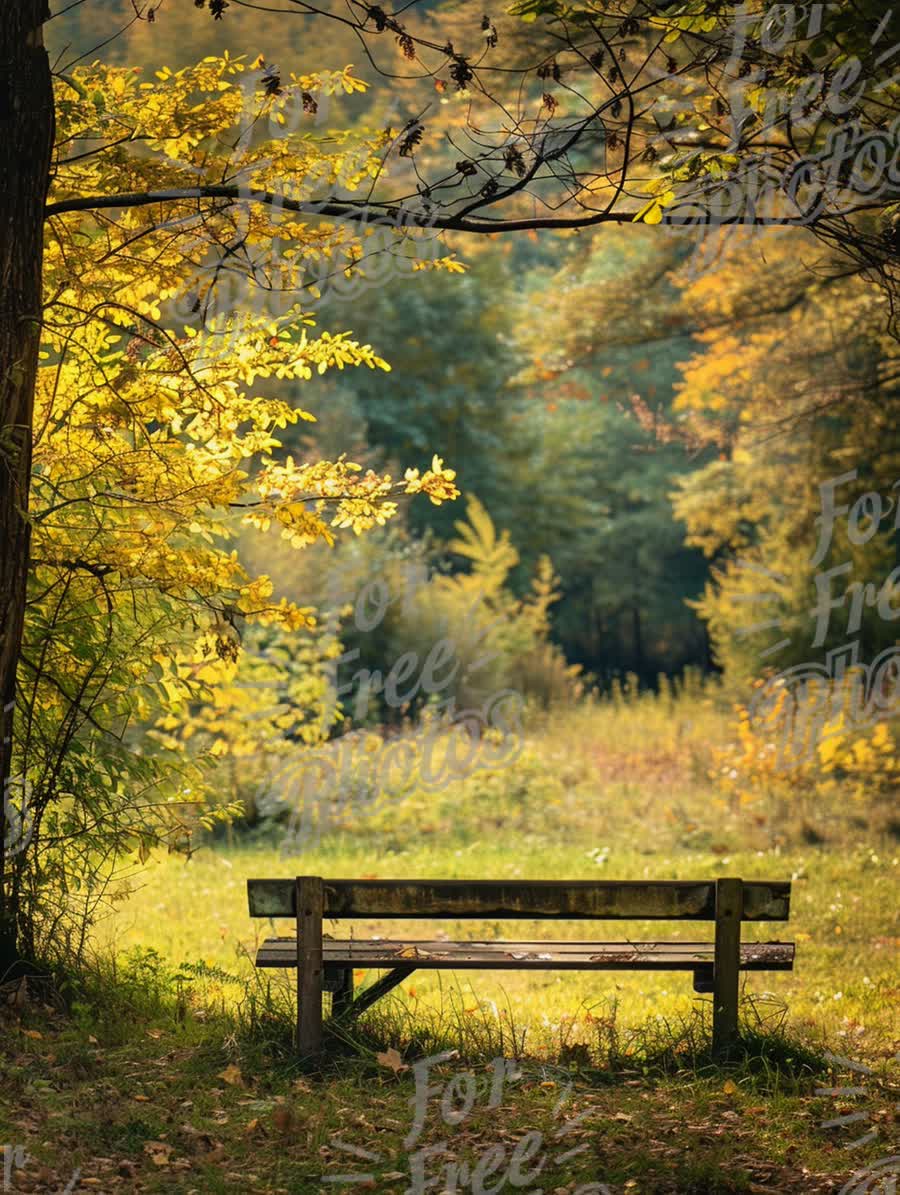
[[170, 1077], [843, 918]]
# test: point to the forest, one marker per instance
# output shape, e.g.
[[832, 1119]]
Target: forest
[[449, 446]]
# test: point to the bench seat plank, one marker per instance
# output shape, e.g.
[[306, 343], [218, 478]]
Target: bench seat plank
[[530, 955]]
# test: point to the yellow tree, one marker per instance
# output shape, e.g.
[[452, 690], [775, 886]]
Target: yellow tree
[[147, 435], [797, 392]]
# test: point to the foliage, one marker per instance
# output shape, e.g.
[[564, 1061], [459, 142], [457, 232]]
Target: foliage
[[499, 641], [151, 446], [254, 713], [451, 360], [388, 596], [826, 768], [559, 115], [572, 413], [603, 364], [793, 394]]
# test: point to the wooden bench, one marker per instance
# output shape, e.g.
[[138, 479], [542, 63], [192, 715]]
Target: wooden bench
[[326, 964]]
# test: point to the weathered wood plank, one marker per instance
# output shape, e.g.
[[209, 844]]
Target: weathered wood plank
[[310, 965], [538, 956], [726, 970], [536, 899]]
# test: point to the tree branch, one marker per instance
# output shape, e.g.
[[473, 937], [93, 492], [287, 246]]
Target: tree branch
[[390, 215]]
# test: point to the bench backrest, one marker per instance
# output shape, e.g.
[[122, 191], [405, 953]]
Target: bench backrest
[[605, 900]]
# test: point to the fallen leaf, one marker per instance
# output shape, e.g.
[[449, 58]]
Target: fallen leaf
[[198, 1138], [623, 1116], [283, 1117], [142, 1099], [729, 1087], [33, 1033], [252, 1125], [158, 1151], [231, 1075], [391, 1059]]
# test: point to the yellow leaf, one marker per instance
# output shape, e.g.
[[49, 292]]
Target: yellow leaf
[[158, 1151], [650, 213], [232, 1076], [653, 214]]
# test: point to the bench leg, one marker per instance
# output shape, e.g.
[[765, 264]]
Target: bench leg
[[379, 988], [703, 979], [309, 965], [343, 993], [726, 974]]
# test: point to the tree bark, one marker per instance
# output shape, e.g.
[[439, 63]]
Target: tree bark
[[26, 142]]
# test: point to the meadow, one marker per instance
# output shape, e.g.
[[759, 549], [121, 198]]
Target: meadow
[[602, 791], [186, 1080]]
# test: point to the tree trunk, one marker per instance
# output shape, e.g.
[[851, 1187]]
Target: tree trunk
[[637, 640], [26, 141]]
